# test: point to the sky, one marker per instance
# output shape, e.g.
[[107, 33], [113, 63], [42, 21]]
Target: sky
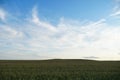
[[59, 29]]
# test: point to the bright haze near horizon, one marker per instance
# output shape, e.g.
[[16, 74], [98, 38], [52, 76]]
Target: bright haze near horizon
[[65, 29]]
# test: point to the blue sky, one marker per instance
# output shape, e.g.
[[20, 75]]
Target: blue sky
[[78, 9], [42, 29]]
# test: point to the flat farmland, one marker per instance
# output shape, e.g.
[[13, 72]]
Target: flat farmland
[[59, 69]]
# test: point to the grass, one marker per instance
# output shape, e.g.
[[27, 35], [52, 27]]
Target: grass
[[57, 69]]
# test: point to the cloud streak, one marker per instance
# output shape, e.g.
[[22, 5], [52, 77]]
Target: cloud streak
[[2, 14], [116, 9], [40, 23]]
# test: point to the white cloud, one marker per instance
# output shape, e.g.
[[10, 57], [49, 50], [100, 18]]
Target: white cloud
[[40, 23], [117, 5], [116, 9], [7, 32], [117, 13], [2, 14]]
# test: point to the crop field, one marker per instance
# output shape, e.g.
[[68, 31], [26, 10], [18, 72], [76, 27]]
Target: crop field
[[59, 70]]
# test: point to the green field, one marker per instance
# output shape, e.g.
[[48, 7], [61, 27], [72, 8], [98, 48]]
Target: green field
[[59, 70]]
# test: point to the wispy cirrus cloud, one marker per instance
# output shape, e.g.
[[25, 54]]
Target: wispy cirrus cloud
[[116, 13], [67, 39], [2, 14], [117, 5], [116, 9], [37, 21], [9, 33]]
